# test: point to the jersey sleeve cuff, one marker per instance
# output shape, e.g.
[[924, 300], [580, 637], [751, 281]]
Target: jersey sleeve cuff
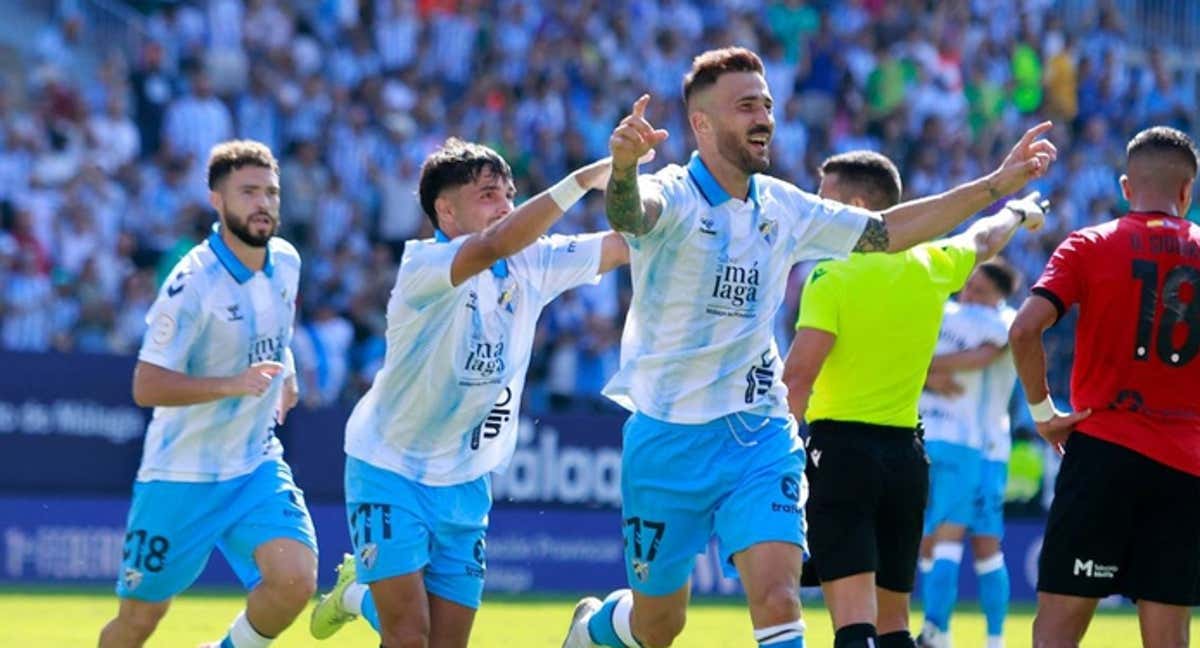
[[1046, 293]]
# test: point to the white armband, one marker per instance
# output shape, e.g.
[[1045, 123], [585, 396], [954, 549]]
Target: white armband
[[1043, 411], [566, 193]]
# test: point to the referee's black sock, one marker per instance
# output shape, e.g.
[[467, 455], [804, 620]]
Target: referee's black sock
[[898, 639], [858, 635]]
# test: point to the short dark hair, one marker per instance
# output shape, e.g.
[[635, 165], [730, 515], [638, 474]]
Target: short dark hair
[[455, 164], [1002, 275], [709, 66], [227, 157], [1163, 140], [872, 173]]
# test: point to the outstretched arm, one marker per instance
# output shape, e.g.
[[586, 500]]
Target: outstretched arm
[[526, 223], [916, 221]]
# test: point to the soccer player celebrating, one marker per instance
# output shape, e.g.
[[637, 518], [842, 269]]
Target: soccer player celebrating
[[212, 471], [967, 437], [709, 449], [442, 414], [1126, 512], [866, 331]]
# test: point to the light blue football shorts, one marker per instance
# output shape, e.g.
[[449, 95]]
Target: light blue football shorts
[[399, 526], [174, 526], [954, 474], [739, 478], [988, 518]]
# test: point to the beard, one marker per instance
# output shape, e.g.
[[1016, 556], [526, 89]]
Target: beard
[[241, 229], [733, 148]]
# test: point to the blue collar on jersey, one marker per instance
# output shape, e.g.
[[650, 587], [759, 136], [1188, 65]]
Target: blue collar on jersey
[[228, 259], [499, 268], [711, 189]]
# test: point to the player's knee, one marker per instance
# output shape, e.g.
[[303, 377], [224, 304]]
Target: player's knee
[[780, 603], [292, 588], [660, 629], [141, 619], [404, 638], [401, 630], [1047, 635]]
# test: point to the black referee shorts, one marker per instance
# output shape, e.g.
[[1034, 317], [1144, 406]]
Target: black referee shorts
[[866, 501], [1121, 523]]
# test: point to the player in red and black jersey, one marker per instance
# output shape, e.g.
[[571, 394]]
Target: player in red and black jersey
[[1126, 511]]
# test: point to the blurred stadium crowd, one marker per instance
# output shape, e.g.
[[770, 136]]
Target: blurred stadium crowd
[[102, 156]]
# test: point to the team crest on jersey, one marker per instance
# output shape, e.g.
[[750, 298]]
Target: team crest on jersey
[[505, 300], [131, 578], [768, 228], [368, 554]]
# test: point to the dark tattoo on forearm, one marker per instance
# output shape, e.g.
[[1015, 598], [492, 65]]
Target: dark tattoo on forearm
[[874, 237], [623, 202]]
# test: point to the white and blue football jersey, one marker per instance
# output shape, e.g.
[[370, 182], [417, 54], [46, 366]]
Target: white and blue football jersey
[[955, 419], [443, 410], [708, 280], [215, 317], [999, 382]]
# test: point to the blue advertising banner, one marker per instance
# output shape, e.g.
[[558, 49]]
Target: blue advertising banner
[[80, 540], [69, 426], [71, 439]]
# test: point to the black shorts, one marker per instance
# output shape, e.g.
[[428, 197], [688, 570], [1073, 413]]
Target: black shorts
[[1121, 523], [867, 486]]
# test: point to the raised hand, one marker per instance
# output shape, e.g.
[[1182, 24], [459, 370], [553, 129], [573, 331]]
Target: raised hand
[[1030, 158], [634, 137], [1032, 208]]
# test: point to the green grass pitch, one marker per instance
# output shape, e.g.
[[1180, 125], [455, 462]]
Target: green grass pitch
[[63, 618]]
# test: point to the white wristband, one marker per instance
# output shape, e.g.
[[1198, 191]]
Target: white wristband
[[566, 193], [1043, 411]]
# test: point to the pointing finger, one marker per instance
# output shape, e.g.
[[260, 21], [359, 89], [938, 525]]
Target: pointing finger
[[639, 106], [1034, 133]]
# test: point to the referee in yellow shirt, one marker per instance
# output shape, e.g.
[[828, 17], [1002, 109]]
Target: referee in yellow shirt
[[865, 337]]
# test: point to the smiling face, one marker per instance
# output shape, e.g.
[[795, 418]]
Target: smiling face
[[735, 116], [247, 201], [472, 207]]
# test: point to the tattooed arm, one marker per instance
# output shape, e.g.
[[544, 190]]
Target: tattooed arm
[[631, 143], [907, 224], [627, 209], [917, 221]]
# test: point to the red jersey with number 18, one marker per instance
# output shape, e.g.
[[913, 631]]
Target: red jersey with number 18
[[1137, 282]]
